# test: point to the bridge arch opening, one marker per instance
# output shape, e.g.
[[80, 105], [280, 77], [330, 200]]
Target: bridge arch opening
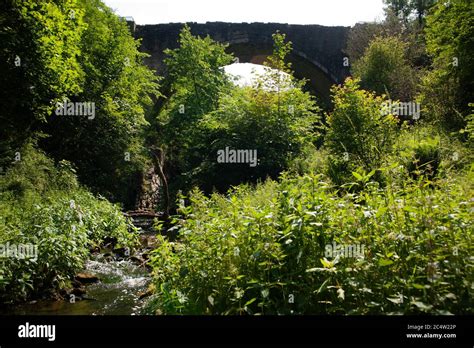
[[319, 82]]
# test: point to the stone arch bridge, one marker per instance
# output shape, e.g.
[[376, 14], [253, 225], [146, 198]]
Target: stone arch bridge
[[318, 51]]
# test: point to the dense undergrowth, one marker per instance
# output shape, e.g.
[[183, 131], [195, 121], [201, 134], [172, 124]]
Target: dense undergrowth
[[365, 208], [264, 250], [378, 220], [42, 205]]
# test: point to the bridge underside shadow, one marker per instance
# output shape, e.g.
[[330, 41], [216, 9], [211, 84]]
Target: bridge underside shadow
[[318, 82]]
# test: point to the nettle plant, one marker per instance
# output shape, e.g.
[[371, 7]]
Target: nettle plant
[[262, 251]]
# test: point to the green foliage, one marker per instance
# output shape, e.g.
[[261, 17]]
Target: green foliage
[[264, 251], [405, 8], [263, 248], [358, 133], [35, 173], [423, 150], [38, 65], [281, 49], [469, 130], [196, 71], [43, 205], [409, 32], [53, 51], [447, 89], [121, 87], [360, 36], [426, 158], [310, 160], [80, 51], [274, 117], [401, 8], [276, 125], [384, 69], [197, 80]]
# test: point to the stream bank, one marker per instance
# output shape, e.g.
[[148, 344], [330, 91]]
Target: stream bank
[[110, 284]]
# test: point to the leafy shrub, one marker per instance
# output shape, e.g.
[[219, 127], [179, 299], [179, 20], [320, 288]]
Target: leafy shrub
[[206, 113], [43, 206], [358, 133], [46, 40], [338, 169], [469, 130], [263, 250], [384, 69], [277, 125], [424, 150], [426, 158], [447, 88], [311, 160]]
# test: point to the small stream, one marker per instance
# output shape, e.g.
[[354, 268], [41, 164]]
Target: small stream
[[121, 284], [117, 292]]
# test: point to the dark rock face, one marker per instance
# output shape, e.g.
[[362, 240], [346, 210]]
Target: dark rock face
[[149, 192], [318, 51]]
